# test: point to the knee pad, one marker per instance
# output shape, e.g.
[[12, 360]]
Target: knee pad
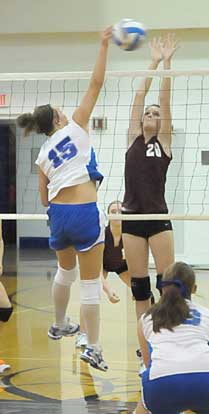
[[158, 283], [5, 314], [91, 291], [65, 277], [141, 289]]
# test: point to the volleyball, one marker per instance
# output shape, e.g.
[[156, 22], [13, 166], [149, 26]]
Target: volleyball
[[128, 34]]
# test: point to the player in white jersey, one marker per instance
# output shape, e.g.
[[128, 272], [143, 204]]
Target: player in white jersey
[[67, 181], [174, 339]]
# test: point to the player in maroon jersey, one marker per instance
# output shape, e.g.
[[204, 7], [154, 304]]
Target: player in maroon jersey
[[147, 161]]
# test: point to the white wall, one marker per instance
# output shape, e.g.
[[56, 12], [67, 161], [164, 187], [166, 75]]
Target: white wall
[[70, 51], [34, 16]]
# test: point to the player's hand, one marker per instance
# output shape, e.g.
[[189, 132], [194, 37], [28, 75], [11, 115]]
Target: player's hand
[[113, 297], [155, 48], [169, 46], [106, 36]]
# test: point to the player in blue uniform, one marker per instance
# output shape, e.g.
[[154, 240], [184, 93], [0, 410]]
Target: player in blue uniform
[[174, 337], [67, 179]]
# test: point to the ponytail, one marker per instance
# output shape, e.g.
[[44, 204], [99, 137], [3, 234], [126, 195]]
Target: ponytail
[[41, 121], [172, 309], [27, 122]]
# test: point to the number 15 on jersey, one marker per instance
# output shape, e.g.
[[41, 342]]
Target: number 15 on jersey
[[63, 151]]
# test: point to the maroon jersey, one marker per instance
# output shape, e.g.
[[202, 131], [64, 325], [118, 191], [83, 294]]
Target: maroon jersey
[[113, 256], [145, 176]]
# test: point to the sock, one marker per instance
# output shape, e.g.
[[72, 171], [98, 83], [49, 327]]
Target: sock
[[91, 315], [60, 295]]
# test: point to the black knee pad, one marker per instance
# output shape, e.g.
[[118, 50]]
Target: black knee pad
[[5, 314], [141, 289], [158, 283]]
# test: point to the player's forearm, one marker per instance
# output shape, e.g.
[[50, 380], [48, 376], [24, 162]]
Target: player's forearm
[[100, 65], [165, 91], [105, 284], [146, 83]]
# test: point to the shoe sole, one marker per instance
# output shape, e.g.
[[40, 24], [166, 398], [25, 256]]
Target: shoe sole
[[85, 359], [60, 336], [80, 346], [92, 363], [55, 338]]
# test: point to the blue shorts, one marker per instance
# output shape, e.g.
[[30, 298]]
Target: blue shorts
[[79, 225], [176, 393]]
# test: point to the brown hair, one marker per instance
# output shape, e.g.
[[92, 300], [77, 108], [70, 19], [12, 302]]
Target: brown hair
[[157, 106], [113, 202], [172, 309], [41, 121]]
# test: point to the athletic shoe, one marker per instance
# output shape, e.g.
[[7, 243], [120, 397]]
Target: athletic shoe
[[142, 367], [81, 340], [3, 366], [69, 330], [93, 356]]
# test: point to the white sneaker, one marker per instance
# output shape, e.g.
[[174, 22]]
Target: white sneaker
[[93, 356], [69, 330], [81, 340], [3, 366]]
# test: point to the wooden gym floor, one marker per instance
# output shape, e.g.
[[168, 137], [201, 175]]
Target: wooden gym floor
[[47, 376]]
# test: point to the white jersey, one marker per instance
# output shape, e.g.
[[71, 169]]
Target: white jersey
[[67, 158], [183, 350]]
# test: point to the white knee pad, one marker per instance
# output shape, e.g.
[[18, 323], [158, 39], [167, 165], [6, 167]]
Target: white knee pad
[[65, 277], [91, 291]]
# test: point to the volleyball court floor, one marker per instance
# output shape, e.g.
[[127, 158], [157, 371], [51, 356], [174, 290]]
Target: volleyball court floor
[[48, 376]]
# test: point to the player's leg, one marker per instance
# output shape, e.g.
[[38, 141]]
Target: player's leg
[[5, 314], [125, 277], [4, 300], [162, 248], [65, 276], [136, 253], [140, 409], [91, 290], [1, 249], [81, 338]]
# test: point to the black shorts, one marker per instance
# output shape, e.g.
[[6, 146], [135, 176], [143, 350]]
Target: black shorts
[[145, 228], [122, 268]]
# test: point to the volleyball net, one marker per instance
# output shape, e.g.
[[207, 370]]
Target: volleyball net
[[187, 187]]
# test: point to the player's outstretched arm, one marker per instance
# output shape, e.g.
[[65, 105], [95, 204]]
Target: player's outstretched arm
[[138, 104], [83, 112], [168, 48]]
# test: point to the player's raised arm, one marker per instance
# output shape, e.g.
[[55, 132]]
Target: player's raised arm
[[168, 48], [83, 112], [138, 104]]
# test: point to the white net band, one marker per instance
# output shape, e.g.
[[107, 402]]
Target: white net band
[[109, 74], [125, 217]]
